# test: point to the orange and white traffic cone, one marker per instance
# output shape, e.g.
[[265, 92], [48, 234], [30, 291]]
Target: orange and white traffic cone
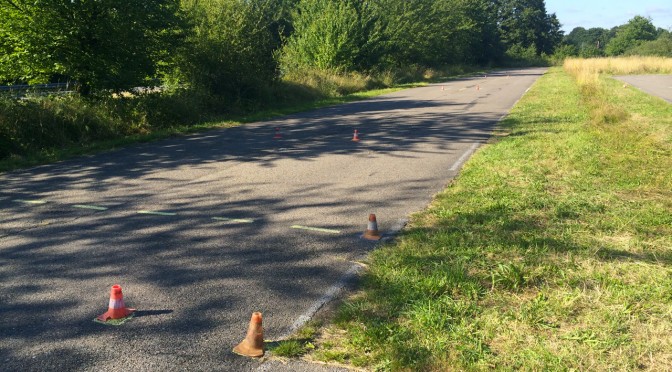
[[253, 344], [355, 137], [277, 134], [372, 232], [116, 309]]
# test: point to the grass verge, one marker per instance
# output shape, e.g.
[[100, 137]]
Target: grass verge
[[550, 251]]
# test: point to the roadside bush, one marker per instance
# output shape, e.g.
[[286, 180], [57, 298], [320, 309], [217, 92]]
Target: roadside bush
[[229, 52], [37, 124], [50, 122], [329, 35], [520, 56], [661, 47]]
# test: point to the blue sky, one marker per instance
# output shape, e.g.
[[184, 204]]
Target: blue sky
[[609, 13]]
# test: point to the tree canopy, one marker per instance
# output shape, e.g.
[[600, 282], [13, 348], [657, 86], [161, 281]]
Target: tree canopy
[[634, 33], [235, 47], [99, 43], [637, 37]]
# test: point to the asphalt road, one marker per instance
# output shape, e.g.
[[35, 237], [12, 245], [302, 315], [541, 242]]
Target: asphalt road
[[222, 244], [657, 85]]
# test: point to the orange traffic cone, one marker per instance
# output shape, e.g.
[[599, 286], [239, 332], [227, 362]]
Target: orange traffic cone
[[277, 134], [371, 232], [253, 344], [355, 137], [117, 309]]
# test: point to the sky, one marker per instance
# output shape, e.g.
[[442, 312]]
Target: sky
[[609, 13]]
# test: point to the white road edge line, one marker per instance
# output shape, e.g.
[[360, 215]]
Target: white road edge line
[[464, 157], [331, 293]]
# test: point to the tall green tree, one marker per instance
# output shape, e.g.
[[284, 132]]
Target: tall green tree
[[661, 47], [229, 51], [526, 24], [589, 42], [329, 35], [638, 30], [102, 44]]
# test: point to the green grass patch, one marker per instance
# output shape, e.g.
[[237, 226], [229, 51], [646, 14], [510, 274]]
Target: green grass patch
[[295, 346], [550, 251]]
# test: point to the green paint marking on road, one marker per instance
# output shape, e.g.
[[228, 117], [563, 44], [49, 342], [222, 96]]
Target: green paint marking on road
[[35, 202], [157, 213], [94, 207], [318, 229], [235, 220]]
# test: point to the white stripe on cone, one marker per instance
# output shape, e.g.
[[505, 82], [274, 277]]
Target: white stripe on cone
[[116, 304]]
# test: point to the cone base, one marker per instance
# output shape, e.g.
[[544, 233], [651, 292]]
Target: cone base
[[244, 349], [371, 236], [115, 315]]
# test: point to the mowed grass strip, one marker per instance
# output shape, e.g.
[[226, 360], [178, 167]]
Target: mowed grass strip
[[550, 251]]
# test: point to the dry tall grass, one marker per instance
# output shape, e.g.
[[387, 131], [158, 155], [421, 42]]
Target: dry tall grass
[[587, 74], [619, 66]]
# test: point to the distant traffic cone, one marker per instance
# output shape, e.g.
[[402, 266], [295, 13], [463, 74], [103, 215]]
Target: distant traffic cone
[[277, 134], [253, 344], [371, 232], [355, 137], [117, 309]]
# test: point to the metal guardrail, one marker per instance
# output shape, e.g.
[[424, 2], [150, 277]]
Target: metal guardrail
[[22, 90]]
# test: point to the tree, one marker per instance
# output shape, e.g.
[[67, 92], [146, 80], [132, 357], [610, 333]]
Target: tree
[[328, 35], [661, 47], [638, 30], [102, 44], [229, 51], [589, 43], [525, 23]]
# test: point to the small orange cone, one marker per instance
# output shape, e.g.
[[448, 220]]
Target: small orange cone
[[355, 137], [116, 309], [371, 232], [253, 344], [277, 134]]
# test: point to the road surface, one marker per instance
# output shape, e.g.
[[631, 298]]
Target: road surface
[[202, 230], [657, 85]]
